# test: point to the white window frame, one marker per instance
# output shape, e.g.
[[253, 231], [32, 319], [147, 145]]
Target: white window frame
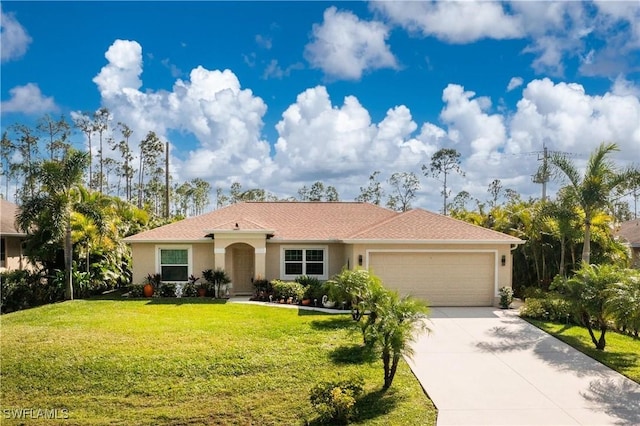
[[175, 247], [325, 261]]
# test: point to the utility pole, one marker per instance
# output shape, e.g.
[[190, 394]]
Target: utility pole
[[542, 175]]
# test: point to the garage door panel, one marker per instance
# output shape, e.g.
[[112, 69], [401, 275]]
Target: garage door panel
[[443, 279]]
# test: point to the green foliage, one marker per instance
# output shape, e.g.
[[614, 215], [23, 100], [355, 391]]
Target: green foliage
[[136, 290], [190, 289], [588, 291], [167, 290], [263, 289], [217, 278], [550, 306], [287, 289], [506, 297], [357, 288], [22, 289], [623, 302], [334, 401], [313, 287]]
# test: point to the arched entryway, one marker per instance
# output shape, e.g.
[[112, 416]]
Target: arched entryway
[[240, 261]]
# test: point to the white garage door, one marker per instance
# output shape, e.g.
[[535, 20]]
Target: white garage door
[[442, 278]]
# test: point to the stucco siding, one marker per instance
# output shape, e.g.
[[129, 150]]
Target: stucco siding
[[14, 259], [202, 258], [144, 261]]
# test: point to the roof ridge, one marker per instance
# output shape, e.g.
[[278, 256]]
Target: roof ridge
[[375, 225]]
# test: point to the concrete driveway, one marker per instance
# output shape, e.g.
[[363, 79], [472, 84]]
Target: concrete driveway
[[486, 366]]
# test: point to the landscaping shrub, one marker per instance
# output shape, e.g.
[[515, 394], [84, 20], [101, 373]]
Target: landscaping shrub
[[313, 287], [263, 289], [506, 297], [287, 289], [136, 290], [334, 401], [167, 290], [24, 289], [190, 290], [551, 306]]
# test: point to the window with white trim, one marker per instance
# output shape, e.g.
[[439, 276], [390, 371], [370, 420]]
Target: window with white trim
[[174, 265], [304, 261]]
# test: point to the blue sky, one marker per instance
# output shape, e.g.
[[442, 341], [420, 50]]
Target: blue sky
[[280, 94]]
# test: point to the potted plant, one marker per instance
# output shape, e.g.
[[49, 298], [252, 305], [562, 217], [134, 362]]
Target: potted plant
[[506, 297], [152, 282], [217, 278]]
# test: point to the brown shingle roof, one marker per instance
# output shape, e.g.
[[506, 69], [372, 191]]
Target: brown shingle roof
[[630, 232], [310, 221], [8, 212], [423, 225]]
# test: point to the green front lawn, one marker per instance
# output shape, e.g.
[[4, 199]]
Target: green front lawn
[[622, 352], [191, 361]]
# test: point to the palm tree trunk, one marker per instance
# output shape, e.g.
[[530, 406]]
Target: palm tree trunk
[[68, 262], [586, 248], [386, 360], [562, 256]]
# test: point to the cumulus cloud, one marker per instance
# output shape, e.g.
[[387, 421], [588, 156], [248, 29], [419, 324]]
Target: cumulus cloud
[[598, 34], [28, 99], [454, 21], [225, 119], [14, 39], [344, 47], [514, 83]]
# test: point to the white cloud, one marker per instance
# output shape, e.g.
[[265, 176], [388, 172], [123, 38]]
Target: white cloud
[[264, 42], [225, 119], [14, 39], [514, 83], [602, 32], [452, 21], [345, 47], [28, 99], [623, 87]]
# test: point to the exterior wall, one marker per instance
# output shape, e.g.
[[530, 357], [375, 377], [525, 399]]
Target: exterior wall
[[145, 261], [202, 258], [14, 259], [635, 257], [336, 258]]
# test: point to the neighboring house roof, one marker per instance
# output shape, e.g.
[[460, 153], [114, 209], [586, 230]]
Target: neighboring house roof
[[630, 232], [324, 221], [8, 212]]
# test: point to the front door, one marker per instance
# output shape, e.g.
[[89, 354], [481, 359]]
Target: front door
[[243, 265]]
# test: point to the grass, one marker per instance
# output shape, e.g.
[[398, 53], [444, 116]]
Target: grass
[[622, 352], [191, 362]]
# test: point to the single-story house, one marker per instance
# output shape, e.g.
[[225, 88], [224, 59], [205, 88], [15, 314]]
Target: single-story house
[[629, 233], [440, 259], [11, 238]]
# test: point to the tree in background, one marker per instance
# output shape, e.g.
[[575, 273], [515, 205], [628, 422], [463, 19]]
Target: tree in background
[[495, 189], [404, 186], [373, 192], [443, 162], [593, 191], [101, 120], [84, 122], [58, 133]]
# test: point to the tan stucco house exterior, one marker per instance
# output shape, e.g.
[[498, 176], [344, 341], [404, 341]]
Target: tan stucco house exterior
[[629, 233], [443, 260], [11, 257]]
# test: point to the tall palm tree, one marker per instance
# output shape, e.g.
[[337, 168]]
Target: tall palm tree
[[56, 202], [593, 191]]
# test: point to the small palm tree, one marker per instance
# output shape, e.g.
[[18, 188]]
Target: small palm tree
[[218, 278], [588, 291], [397, 322]]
